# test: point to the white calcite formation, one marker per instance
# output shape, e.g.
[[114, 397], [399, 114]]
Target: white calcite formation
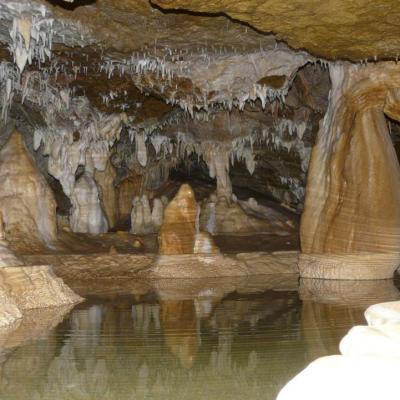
[[77, 135], [367, 369], [87, 214], [383, 313], [144, 218], [108, 194], [27, 203]]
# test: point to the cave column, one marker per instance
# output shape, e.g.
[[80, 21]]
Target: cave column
[[350, 227]]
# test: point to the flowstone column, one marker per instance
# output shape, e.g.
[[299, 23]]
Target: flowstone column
[[350, 227]]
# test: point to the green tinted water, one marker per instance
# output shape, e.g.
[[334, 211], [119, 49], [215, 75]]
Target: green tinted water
[[169, 343]]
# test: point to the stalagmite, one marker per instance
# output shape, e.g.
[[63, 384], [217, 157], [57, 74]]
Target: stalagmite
[[108, 193], [145, 219], [351, 222], [129, 188], [87, 215], [218, 164], [26, 201], [178, 231]]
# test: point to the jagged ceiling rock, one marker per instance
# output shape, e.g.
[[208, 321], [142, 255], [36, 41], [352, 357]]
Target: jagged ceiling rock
[[193, 61], [333, 29]]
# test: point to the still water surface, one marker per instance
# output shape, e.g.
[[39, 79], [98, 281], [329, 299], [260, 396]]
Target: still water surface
[[216, 340]]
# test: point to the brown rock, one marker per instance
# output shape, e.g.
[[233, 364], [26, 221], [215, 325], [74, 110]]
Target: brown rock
[[178, 231], [127, 190], [353, 188], [25, 288], [332, 29], [113, 250]]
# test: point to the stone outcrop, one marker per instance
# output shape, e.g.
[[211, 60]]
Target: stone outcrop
[[353, 188], [27, 203], [24, 288], [87, 214]]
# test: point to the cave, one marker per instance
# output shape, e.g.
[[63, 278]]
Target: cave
[[199, 199]]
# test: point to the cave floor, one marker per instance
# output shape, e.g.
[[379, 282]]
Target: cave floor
[[126, 243], [120, 255]]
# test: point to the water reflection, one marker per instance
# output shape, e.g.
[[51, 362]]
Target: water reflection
[[225, 339]]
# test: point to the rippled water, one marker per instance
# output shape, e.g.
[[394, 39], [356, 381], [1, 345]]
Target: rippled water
[[214, 340]]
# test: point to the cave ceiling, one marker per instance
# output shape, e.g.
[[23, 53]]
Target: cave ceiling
[[333, 29], [118, 53]]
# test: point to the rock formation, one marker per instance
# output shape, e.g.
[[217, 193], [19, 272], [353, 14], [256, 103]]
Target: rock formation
[[354, 176], [87, 214], [178, 230], [220, 215], [108, 194], [336, 22], [145, 219], [27, 203], [24, 288], [128, 189]]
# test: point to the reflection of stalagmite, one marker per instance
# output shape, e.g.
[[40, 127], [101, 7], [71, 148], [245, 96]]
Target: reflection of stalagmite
[[87, 214], [179, 323], [26, 202], [144, 315], [353, 188]]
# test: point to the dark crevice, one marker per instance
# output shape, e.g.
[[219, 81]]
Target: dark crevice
[[71, 6]]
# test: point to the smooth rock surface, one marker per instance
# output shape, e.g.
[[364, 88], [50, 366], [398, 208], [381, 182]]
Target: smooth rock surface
[[353, 186], [345, 378], [378, 341], [383, 313]]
